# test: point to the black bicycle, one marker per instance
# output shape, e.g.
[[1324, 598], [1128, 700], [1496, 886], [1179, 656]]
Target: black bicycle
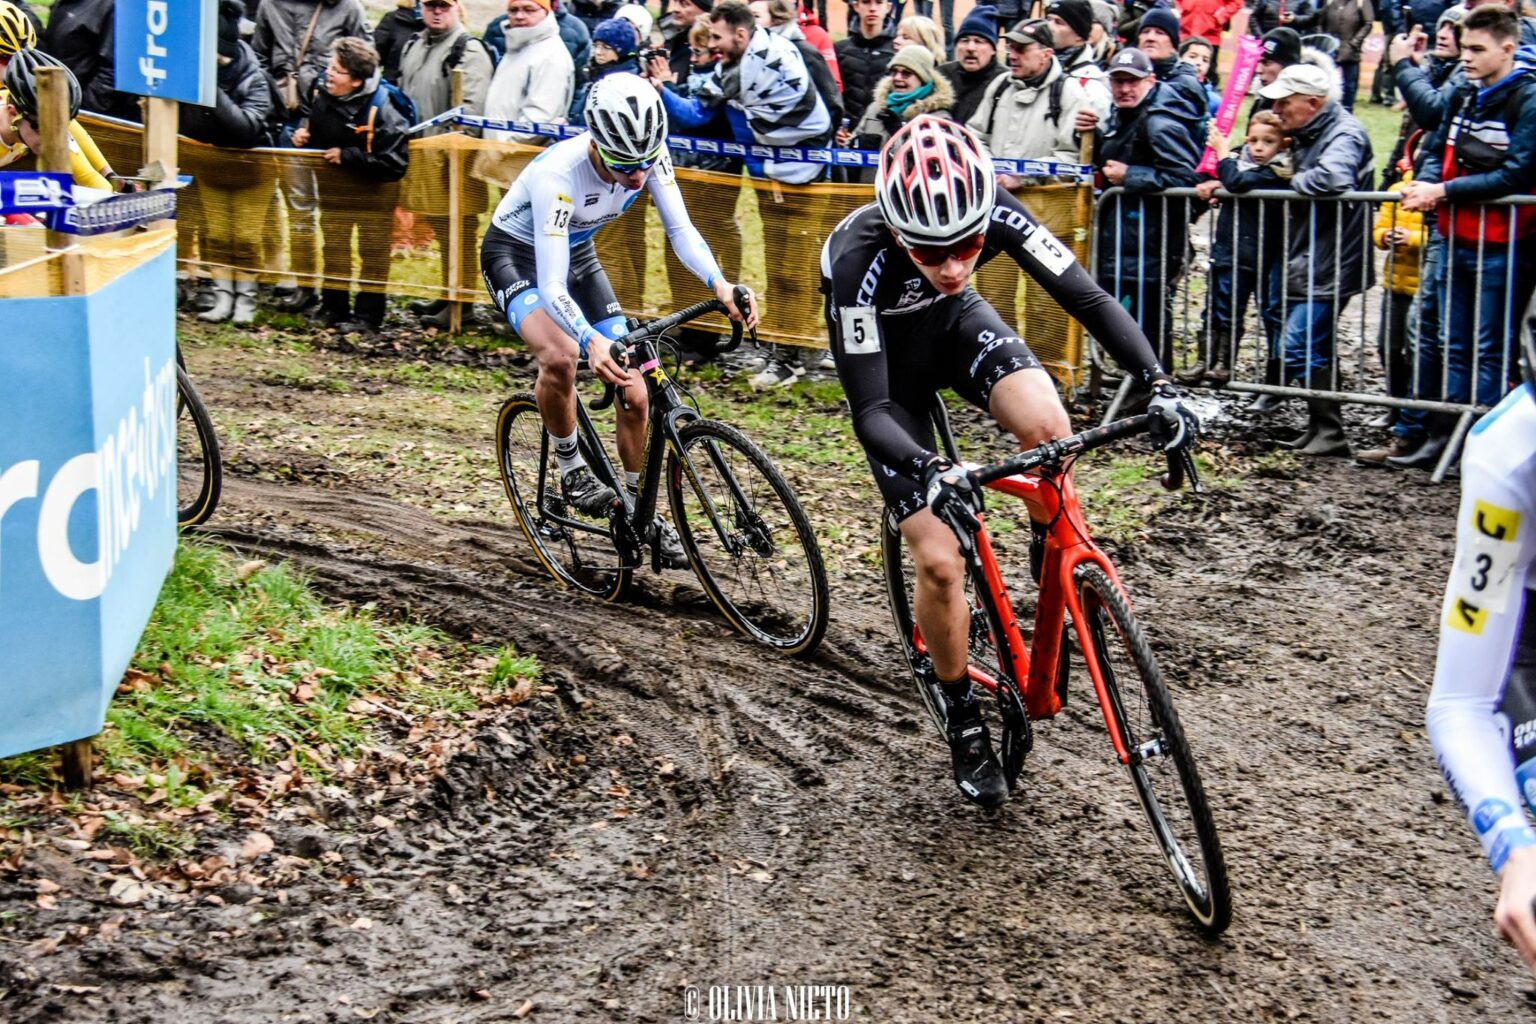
[[747, 538], [199, 473]]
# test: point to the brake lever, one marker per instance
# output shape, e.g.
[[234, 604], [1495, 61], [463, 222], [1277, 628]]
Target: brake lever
[[619, 352], [1181, 464], [741, 295]]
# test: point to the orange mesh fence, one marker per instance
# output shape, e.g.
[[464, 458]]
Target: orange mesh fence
[[287, 215]]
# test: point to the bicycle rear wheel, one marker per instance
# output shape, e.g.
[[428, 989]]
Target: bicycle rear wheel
[[199, 473], [988, 662], [1161, 766], [748, 539], [576, 552]]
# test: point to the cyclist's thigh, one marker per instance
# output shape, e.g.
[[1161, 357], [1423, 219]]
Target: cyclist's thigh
[[903, 495], [993, 369], [510, 270]]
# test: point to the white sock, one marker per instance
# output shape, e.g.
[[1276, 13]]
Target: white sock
[[567, 453], [632, 480]]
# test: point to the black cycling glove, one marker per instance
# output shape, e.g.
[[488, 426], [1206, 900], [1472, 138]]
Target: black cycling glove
[[952, 494], [1175, 427]]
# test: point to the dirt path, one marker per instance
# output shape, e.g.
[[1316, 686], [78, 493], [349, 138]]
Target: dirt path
[[692, 810]]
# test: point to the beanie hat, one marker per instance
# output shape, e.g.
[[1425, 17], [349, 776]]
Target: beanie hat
[[916, 59], [1078, 14], [981, 23], [703, 5], [617, 34], [229, 28], [1283, 46], [1162, 19]]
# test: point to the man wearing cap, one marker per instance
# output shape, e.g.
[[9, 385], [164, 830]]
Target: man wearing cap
[[1326, 258], [975, 64], [1072, 25], [1036, 111], [1145, 147], [537, 78]]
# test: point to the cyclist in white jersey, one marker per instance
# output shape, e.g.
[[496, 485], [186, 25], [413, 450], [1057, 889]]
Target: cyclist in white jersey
[[542, 269], [1482, 709]]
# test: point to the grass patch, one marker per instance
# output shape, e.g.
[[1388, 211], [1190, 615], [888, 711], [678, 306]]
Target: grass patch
[[243, 664]]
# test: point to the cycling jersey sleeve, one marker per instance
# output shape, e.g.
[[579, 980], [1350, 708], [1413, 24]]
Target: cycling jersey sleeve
[[684, 237], [90, 149], [1040, 254], [858, 349], [1480, 623], [550, 213]]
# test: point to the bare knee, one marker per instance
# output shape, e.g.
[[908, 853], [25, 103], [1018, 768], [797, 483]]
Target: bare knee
[[558, 369], [939, 569]]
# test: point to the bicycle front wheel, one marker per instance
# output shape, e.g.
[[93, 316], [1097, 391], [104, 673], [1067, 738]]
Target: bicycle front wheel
[[199, 473], [1161, 766], [576, 552], [747, 537]]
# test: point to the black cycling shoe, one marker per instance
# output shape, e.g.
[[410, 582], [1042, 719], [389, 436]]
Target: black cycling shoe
[[586, 493], [977, 771], [672, 554]]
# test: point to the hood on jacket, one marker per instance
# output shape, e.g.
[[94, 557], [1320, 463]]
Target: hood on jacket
[[1318, 59], [942, 98]]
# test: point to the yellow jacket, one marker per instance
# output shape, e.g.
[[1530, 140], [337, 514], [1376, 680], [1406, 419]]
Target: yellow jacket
[[1403, 262]]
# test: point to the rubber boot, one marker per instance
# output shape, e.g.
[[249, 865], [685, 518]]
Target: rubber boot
[[1325, 423], [223, 301], [245, 303]]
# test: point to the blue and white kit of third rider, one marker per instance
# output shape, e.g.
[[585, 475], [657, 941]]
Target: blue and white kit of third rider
[[1482, 708], [541, 266]]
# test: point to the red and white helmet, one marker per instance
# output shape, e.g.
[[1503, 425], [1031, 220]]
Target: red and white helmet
[[935, 184]]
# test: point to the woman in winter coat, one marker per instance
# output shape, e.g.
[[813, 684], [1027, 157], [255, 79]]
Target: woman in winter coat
[[913, 86], [1207, 19], [536, 79], [230, 193]]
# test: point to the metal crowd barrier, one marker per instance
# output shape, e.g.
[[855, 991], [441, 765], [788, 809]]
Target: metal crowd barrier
[[1364, 342]]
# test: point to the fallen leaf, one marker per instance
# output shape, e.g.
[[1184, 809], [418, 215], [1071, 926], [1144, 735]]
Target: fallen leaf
[[362, 924], [524, 1010], [257, 844], [129, 891], [249, 569], [379, 821], [47, 903], [45, 886]]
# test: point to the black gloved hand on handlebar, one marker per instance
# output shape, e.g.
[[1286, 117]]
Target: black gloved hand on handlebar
[[951, 494], [1174, 426]]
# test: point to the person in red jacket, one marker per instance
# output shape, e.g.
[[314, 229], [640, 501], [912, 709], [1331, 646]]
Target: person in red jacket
[[1207, 19], [818, 37]]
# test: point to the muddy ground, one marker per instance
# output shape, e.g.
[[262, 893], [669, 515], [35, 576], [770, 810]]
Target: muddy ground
[[691, 810]]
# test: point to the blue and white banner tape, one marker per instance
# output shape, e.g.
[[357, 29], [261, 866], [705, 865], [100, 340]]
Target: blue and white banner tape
[[799, 154], [117, 213], [35, 192]]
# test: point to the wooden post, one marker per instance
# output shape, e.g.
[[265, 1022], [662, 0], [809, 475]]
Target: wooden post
[[161, 119], [455, 211], [53, 113], [1085, 149]]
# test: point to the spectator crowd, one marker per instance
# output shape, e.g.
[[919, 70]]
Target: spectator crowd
[[1130, 86]]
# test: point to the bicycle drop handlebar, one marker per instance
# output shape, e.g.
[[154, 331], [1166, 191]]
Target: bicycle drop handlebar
[[1181, 464], [619, 349]]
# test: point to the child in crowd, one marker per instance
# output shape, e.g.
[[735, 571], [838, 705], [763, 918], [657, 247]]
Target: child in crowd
[[1201, 56], [1249, 238], [1402, 233]]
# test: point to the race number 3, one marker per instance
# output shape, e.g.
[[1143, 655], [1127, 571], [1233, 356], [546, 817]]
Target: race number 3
[[1484, 572], [861, 331]]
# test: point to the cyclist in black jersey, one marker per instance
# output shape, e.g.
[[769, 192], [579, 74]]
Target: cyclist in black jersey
[[904, 322]]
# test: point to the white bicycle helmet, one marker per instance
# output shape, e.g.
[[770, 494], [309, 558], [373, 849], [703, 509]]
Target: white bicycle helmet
[[626, 118], [935, 185]]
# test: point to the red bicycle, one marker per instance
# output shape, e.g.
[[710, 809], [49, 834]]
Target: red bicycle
[[1080, 589]]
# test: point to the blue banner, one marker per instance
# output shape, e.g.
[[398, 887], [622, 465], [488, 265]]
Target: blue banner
[[87, 496], [35, 191], [806, 154], [167, 49]]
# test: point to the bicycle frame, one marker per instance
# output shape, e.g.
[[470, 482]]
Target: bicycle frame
[[1051, 498], [666, 417]]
